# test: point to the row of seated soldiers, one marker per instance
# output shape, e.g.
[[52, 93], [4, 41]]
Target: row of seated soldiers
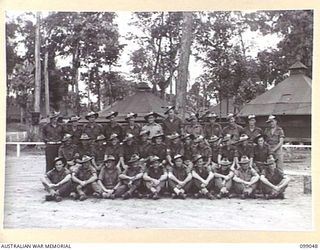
[[165, 140], [236, 164], [152, 177]]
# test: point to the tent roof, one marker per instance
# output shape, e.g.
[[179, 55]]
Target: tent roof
[[292, 96], [142, 102]]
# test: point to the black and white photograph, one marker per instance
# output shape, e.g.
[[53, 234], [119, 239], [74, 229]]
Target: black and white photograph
[[159, 120]]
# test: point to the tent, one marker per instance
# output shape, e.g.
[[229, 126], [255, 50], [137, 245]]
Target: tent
[[289, 100]]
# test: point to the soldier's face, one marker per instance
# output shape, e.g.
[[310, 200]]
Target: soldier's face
[[200, 162], [188, 140], [155, 164], [232, 120], [135, 164], [158, 140], [100, 143], [151, 119], [171, 113], [59, 165], [176, 140], [129, 142], [178, 162], [252, 122], [225, 167], [131, 120], [273, 123], [75, 123], [85, 142], [110, 164], [212, 120], [91, 119], [144, 137], [245, 166], [260, 141], [114, 141]]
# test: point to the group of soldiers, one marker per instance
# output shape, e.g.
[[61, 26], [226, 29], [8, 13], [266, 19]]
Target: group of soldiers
[[115, 161]]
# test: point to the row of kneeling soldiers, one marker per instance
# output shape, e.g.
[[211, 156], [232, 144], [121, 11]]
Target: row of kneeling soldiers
[[151, 178]]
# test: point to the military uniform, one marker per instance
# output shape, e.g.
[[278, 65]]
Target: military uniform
[[154, 129], [204, 151], [188, 151], [212, 129], [235, 131], [215, 152], [228, 152], [86, 150], [181, 174], [252, 134], [172, 126], [135, 130], [76, 133], [113, 128], [115, 150], [93, 130], [218, 181], [52, 136], [275, 177], [260, 155], [195, 130], [156, 173], [99, 152], [203, 173], [131, 172], [144, 149], [129, 150], [273, 139], [84, 173], [245, 150], [245, 175], [175, 149], [159, 150], [68, 152], [55, 177]]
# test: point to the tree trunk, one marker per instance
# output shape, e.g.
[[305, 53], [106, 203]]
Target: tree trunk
[[184, 62], [76, 78], [46, 83], [37, 67]]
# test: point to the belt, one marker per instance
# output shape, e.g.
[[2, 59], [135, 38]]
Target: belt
[[54, 142]]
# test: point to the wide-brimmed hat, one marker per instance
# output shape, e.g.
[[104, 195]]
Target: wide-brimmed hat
[[169, 108], [185, 136], [74, 118], [225, 162], [243, 137], [193, 116], [251, 117], [85, 137], [174, 136], [144, 132], [197, 157], [54, 115], [84, 159], [160, 134], [153, 158], [58, 158], [66, 137], [213, 138], [109, 158], [134, 158], [113, 136], [100, 138], [258, 137], [112, 113], [128, 137], [131, 115], [227, 137], [91, 114], [177, 156], [271, 118], [151, 114], [198, 139], [230, 115], [244, 159], [211, 115]]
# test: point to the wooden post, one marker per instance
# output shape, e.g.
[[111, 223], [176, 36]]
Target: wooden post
[[307, 184]]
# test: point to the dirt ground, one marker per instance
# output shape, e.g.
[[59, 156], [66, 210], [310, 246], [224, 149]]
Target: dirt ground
[[25, 206]]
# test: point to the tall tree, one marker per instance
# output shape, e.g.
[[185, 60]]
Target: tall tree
[[186, 41]]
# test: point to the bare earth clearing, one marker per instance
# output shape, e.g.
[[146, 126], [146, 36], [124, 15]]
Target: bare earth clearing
[[25, 206]]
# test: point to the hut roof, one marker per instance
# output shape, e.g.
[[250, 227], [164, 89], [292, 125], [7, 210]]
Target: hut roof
[[227, 106], [141, 102], [292, 96]]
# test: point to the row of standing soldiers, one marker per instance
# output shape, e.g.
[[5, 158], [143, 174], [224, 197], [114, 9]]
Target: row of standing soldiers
[[171, 141]]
